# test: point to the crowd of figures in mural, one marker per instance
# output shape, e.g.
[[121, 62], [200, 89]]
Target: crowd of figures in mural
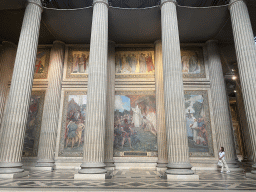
[[80, 61], [74, 127], [135, 123], [196, 124], [135, 62]]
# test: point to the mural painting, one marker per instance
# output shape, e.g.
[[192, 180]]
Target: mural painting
[[197, 123], [78, 63], [33, 127], [72, 134], [42, 63], [135, 124], [135, 62], [192, 62]]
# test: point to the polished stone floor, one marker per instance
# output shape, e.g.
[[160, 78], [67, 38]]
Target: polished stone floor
[[127, 180]]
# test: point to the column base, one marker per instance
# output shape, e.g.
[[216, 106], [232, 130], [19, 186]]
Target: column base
[[92, 168], [14, 175], [11, 168], [45, 163], [182, 177], [179, 169], [89, 176], [233, 166], [110, 165]]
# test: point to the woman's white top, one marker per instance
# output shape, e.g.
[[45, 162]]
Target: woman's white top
[[222, 154]]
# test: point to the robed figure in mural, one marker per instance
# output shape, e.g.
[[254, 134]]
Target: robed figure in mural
[[136, 119]]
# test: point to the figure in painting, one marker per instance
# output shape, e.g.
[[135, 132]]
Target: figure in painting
[[39, 67], [75, 63], [134, 63], [185, 64], [136, 119], [127, 132], [143, 64], [126, 68], [72, 127], [193, 64], [149, 61]]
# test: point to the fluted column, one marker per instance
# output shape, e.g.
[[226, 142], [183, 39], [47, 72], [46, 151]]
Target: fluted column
[[109, 137], [94, 134], [51, 107], [243, 122], [222, 121], [177, 141], [160, 112], [246, 59], [16, 109], [7, 59]]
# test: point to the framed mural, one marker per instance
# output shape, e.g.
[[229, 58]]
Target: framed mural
[[135, 130], [33, 127], [134, 62], [72, 128], [42, 64], [78, 62], [192, 62], [198, 123]]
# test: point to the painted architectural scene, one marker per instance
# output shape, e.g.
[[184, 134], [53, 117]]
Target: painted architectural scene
[[135, 123], [191, 61], [196, 123], [33, 127], [79, 62], [74, 124], [135, 62]]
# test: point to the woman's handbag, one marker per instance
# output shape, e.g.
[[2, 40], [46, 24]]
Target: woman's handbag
[[220, 164]]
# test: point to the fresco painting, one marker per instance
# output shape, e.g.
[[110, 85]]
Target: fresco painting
[[40, 62], [80, 62], [33, 126], [190, 62], [135, 123], [196, 123], [135, 62], [74, 126]]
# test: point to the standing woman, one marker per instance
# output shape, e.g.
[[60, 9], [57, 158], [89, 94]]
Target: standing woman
[[222, 159]]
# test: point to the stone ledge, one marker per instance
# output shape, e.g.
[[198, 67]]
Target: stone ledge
[[41, 168], [89, 176], [250, 175], [14, 175], [182, 177]]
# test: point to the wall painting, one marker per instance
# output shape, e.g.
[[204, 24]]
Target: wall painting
[[134, 62], [33, 127], [192, 62], [135, 124], [78, 63], [198, 123], [73, 124], [42, 63]]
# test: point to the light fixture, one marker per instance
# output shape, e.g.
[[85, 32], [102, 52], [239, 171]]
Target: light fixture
[[235, 91], [234, 77]]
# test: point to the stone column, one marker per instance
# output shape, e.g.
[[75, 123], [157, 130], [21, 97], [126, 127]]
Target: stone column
[[16, 109], [109, 137], [7, 59], [51, 108], [246, 58], [94, 135], [177, 141], [160, 112], [222, 121], [243, 122]]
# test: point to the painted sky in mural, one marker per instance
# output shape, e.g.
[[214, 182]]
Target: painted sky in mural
[[135, 62], [80, 62], [196, 124], [135, 123], [74, 128]]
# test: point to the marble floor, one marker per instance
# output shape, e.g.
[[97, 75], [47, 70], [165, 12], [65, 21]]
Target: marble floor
[[128, 180]]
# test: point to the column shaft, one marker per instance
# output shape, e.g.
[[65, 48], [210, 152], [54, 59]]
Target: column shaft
[[109, 137], [246, 58], [222, 122], [51, 107], [177, 141], [94, 135], [160, 112], [7, 59], [16, 110]]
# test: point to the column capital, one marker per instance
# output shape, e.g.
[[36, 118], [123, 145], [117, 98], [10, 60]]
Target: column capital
[[58, 42], [212, 41], [232, 2], [111, 42], [36, 2], [158, 41], [166, 1], [100, 1]]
